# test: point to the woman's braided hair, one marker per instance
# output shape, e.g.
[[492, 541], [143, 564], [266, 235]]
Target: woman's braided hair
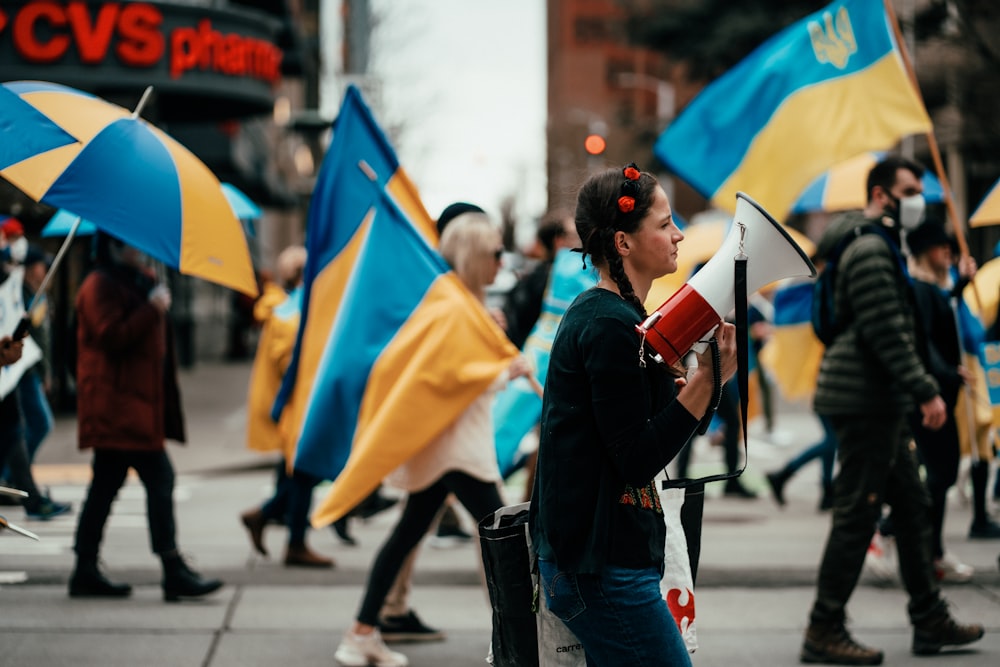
[[612, 201]]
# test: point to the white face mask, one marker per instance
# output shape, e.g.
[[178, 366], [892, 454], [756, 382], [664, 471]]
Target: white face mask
[[19, 250], [911, 211]]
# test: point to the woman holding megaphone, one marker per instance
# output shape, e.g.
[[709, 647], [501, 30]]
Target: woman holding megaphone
[[612, 419]]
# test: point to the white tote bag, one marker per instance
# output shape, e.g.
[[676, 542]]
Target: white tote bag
[[677, 583]]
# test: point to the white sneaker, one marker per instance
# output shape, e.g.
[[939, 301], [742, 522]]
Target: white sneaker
[[950, 569], [363, 650], [880, 560]]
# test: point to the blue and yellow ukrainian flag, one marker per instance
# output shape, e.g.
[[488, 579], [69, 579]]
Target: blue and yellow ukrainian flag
[[792, 354], [823, 90], [392, 347]]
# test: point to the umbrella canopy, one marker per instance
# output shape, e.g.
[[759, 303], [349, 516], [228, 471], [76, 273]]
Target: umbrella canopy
[[135, 182], [842, 188], [60, 224], [988, 211], [35, 133], [62, 221], [243, 207]]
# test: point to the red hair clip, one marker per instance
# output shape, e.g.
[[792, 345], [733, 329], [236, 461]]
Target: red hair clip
[[630, 188]]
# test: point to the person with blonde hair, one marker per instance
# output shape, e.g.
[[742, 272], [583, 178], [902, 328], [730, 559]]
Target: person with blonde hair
[[461, 461]]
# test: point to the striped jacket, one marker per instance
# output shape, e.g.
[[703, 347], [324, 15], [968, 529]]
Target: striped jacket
[[873, 366]]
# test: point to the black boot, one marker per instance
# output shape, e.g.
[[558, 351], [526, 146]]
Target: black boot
[[180, 581], [983, 527], [932, 634], [734, 489], [342, 531], [776, 480], [89, 581], [372, 505]]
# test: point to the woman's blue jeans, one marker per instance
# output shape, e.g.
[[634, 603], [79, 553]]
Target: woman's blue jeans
[[618, 615]]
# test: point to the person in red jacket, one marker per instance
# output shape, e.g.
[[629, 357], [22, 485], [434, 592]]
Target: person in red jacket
[[128, 403]]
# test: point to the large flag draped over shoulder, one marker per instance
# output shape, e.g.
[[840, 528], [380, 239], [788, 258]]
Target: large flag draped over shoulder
[[517, 408], [822, 90], [392, 348]]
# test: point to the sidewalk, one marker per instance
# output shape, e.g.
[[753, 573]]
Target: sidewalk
[[755, 582]]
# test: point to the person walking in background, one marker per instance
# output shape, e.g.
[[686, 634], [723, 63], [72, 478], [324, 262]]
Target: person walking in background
[[14, 456], [461, 461], [449, 531], [792, 356], [128, 403], [870, 379], [279, 310], [610, 423], [35, 383], [523, 304], [13, 243], [935, 298], [824, 449]]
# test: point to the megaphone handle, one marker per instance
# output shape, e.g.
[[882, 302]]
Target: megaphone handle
[[702, 345]]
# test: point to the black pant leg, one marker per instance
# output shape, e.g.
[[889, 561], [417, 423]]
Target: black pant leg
[[109, 471]]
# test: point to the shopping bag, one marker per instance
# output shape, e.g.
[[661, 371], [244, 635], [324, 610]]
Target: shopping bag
[[506, 548], [682, 514], [557, 645], [525, 633]]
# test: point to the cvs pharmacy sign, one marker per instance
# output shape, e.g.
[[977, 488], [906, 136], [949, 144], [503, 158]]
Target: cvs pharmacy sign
[[182, 40]]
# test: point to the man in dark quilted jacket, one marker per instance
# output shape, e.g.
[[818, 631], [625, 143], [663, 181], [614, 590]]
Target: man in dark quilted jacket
[[870, 378]]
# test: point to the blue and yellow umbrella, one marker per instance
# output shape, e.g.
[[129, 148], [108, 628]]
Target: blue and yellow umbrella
[[63, 221], [134, 182], [842, 188]]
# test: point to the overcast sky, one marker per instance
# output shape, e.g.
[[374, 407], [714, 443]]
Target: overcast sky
[[463, 97]]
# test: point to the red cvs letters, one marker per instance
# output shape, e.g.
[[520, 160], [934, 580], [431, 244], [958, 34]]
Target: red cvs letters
[[45, 31]]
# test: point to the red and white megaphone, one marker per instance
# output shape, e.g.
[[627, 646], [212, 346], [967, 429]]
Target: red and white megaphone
[[699, 305]]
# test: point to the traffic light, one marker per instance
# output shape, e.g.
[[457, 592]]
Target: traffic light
[[595, 144]]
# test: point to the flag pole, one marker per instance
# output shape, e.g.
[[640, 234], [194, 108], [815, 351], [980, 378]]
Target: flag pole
[[956, 225]]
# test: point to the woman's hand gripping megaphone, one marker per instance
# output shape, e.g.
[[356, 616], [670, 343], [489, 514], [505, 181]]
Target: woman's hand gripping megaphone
[[696, 395]]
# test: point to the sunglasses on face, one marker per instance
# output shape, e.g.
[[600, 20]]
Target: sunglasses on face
[[498, 254]]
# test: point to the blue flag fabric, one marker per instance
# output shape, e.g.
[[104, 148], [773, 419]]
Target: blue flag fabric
[[821, 91], [517, 408]]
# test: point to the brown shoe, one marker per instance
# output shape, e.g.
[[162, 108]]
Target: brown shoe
[[302, 556], [254, 521], [832, 644], [933, 634]]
